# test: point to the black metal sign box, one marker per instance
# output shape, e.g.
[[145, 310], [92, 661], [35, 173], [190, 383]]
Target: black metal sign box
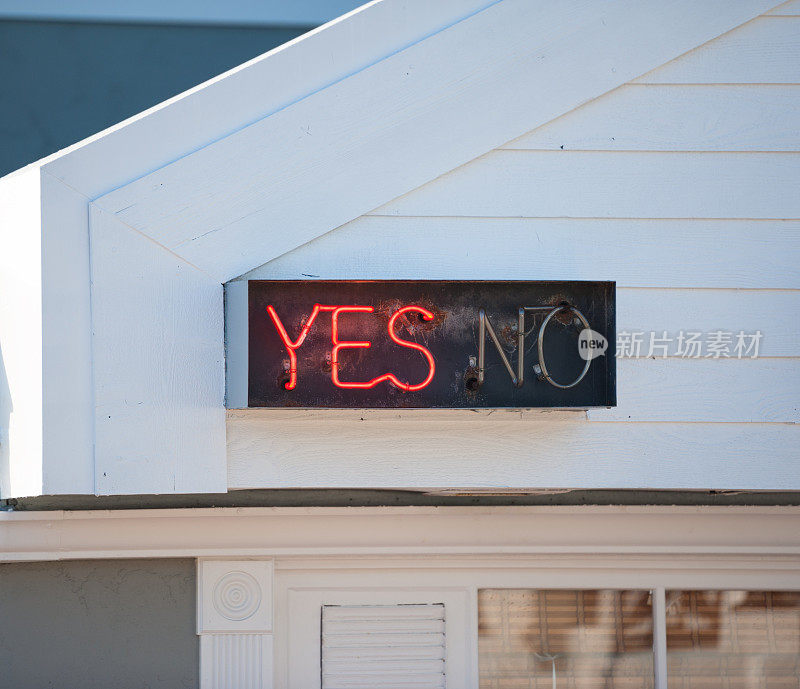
[[431, 343]]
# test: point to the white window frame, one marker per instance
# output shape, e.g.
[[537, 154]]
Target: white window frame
[[302, 588]]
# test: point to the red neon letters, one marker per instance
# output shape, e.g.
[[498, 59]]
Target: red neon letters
[[292, 346], [338, 345]]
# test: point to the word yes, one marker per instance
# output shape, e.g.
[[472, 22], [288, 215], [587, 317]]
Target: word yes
[[339, 345]]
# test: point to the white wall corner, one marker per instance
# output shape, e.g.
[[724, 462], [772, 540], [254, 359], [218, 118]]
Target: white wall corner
[[234, 622], [20, 334], [67, 406], [159, 379], [46, 419]]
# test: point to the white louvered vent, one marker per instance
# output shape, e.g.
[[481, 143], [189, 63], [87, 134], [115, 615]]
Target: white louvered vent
[[375, 646]]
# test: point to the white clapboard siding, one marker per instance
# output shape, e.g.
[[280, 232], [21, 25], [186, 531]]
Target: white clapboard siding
[[375, 646], [730, 390], [680, 117], [791, 8], [763, 51], [458, 449], [775, 313], [597, 184], [657, 253]]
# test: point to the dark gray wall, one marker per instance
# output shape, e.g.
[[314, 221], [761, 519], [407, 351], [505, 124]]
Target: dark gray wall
[[96, 624], [61, 82]]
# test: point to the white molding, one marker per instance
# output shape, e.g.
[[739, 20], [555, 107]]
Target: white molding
[[234, 622], [594, 532], [234, 596], [236, 661]]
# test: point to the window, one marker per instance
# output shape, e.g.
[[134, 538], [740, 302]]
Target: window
[[731, 639], [564, 638], [716, 639]]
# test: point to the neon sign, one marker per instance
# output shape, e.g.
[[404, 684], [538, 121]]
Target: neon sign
[[428, 344], [338, 345]]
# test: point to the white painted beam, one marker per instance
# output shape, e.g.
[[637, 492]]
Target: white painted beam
[[159, 384]]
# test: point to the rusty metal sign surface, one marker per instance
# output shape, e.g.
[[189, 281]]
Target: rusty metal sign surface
[[430, 343]]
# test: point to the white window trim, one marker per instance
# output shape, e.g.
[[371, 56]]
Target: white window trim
[[303, 586], [298, 644]]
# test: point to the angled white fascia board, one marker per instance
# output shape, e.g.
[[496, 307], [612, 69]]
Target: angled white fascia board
[[405, 120], [250, 92]]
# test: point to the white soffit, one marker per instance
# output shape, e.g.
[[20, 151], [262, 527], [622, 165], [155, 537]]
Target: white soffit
[[277, 152]]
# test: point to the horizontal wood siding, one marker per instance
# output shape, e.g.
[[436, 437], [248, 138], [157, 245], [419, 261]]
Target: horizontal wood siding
[[705, 390], [603, 184], [678, 117], [791, 8], [290, 449], [766, 50], [682, 187], [657, 253]]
